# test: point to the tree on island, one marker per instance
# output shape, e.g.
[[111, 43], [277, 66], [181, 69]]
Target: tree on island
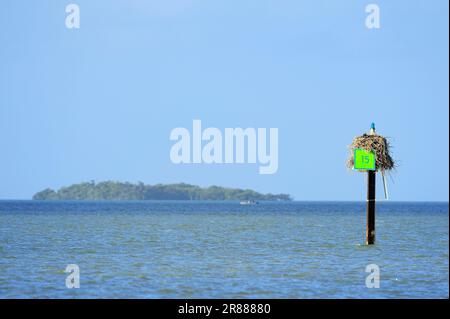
[[110, 190]]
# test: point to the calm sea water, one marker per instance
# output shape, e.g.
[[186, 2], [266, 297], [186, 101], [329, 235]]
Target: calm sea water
[[221, 250]]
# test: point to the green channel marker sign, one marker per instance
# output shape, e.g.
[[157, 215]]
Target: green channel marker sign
[[364, 160]]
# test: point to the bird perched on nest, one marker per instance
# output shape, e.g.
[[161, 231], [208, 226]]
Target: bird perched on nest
[[372, 142], [372, 129]]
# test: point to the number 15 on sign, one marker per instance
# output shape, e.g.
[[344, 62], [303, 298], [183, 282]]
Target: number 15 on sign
[[364, 160]]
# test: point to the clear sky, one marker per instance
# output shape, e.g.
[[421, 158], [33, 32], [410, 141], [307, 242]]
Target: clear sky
[[98, 103]]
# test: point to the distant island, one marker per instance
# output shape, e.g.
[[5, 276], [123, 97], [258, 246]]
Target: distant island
[[110, 190]]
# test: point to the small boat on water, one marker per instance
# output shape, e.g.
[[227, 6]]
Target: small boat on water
[[248, 202]]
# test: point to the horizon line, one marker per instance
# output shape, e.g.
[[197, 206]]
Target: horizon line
[[225, 200]]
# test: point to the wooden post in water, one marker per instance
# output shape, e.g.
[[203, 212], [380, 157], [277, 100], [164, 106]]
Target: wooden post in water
[[370, 228], [370, 153]]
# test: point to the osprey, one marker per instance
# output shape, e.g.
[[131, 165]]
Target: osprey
[[372, 129]]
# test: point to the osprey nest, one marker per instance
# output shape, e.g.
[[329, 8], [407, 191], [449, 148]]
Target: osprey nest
[[376, 144]]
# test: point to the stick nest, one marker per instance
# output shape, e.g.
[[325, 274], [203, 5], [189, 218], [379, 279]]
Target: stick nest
[[373, 143]]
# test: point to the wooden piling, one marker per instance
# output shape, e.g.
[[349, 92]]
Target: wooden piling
[[370, 228]]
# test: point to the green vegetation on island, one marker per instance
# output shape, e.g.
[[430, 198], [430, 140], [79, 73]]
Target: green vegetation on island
[[110, 190]]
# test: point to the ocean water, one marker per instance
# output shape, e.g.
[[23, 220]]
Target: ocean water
[[205, 249]]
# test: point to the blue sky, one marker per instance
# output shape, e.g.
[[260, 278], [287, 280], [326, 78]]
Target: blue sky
[[98, 103]]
